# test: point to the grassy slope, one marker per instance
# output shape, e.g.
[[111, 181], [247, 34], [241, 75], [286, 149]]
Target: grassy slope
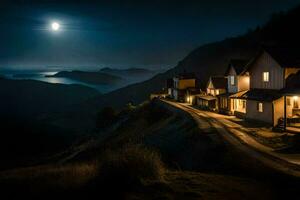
[[198, 165]]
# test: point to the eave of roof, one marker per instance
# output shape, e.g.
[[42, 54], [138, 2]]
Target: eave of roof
[[262, 95]]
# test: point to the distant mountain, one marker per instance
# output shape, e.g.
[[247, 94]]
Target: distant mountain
[[128, 72], [89, 77], [31, 98], [212, 59], [130, 75]]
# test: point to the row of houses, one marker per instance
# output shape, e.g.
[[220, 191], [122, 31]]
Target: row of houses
[[265, 88]]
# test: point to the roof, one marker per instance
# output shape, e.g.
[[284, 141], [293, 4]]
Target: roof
[[219, 82], [287, 57], [239, 95], [238, 65], [292, 85], [290, 91], [293, 81], [186, 75], [262, 95], [206, 97]]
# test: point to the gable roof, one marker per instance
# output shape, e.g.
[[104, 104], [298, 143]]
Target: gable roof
[[286, 57], [237, 64], [186, 76], [219, 82], [293, 81]]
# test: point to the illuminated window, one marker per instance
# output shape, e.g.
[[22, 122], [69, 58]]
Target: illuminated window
[[266, 76], [244, 104], [232, 80], [296, 104], [217, 92], [260, 107]]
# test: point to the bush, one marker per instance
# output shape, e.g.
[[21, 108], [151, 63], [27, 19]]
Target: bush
[[130, 167]]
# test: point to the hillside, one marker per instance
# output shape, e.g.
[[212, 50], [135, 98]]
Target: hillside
[[33, 122], [89, 77], [166, 154], [212, 59], [127, 72], [29, 97]]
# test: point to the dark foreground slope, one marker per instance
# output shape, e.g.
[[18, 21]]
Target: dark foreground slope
[[212, 59], [30, 126], [151, 152]]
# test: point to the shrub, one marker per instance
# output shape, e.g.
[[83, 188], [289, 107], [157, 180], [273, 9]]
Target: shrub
[[155, 112], [130, 167]]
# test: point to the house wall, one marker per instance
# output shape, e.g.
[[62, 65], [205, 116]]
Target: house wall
[[239, 105], [290, 110], [278, 110], [213, 91], [265, 63], [186, 83], [232, 88], [243, 83], [175, 94], [265, 116]]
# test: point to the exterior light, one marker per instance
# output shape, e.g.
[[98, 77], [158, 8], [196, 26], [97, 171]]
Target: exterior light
[[295, 98]]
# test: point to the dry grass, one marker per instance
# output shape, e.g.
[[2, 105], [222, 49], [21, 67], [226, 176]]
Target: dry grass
[[55, 176], [131, 165]]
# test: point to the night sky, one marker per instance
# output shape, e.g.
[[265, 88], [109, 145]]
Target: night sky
[[121, 33]]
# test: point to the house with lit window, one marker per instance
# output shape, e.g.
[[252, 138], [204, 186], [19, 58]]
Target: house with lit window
[[216, 86], [238, 83], [183, 82], [274, 86]]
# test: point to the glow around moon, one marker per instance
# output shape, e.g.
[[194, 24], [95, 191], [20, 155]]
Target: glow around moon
[[55, 26]]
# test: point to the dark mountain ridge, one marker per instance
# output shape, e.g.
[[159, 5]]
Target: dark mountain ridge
[[130, 71], [212, 59]]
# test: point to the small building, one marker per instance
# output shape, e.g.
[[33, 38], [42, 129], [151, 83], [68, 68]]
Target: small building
[[182, 83], [191, 94], [216, 86], [238, 83], [272, 97]]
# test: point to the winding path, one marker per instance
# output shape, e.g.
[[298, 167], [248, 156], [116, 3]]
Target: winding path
[[236, 135]]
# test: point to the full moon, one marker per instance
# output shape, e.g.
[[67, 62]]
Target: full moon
[[55, 26]]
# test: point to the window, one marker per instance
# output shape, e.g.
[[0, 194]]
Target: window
[[232, 80], [217, 92], [266, 76], [296, 105], [260, 107]]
